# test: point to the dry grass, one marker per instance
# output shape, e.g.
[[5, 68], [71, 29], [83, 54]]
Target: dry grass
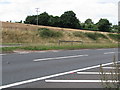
[[114, 75], [25, 33], [19, 26]]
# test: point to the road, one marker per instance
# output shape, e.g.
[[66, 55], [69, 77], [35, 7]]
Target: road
[[20, 69]]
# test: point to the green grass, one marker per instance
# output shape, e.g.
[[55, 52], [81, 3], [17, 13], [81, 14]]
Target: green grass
[[78, 34], [8, 49], [93, 36], [46, 33], [114, 36], [60, 47]]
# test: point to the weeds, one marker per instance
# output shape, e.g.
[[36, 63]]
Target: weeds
[[114, 36], [95, 36], [114, 76], [46, 33], [59, 47]]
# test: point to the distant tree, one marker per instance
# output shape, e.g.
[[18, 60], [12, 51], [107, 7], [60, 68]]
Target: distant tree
[[30, 20], [43, 19], [69, 20], [119, 27], [89, 25], [104, 25], [19, 21], [54, 21], [89, 21], [114, 28]]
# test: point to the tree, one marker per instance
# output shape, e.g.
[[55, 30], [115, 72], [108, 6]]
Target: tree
[[104, 25], [89, 21], [43, 19], [30, 20], [69, 20], [115, 28], [54, 21]]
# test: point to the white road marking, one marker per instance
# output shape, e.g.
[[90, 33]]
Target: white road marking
[[41, 52], [94, 73], [109, 52], [109, 67], [51, 76], [58, 58], [102, 49], [2, 54], [78, 81], [24, 52], [55, 51]]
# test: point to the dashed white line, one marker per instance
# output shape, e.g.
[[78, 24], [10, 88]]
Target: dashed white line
[[78, 81], [2, 54], [50, 76], [58, 58], [109, 52]]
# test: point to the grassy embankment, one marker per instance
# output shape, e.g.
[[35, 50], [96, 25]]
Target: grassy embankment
[[47, 39]]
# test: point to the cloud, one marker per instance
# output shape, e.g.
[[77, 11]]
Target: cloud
[[17, 10], [4, 2]]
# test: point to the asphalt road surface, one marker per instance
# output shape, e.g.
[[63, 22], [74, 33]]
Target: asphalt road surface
[[41, 69]]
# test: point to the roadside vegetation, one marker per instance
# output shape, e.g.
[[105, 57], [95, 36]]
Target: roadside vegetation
[[114, 36], [47, 38], [114, 76], [38, 47], [46, 33]]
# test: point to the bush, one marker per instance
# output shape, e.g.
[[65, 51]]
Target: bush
[[78, 34], [46, 33], [95, 36], [114, 36]]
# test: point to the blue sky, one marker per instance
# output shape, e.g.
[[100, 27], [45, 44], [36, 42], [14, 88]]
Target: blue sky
[[17, 10]]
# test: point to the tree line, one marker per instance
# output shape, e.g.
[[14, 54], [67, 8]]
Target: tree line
[[69, 20]]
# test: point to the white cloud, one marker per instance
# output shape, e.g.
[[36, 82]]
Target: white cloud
[[17, 10]]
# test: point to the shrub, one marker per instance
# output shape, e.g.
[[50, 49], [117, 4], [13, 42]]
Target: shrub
[[95, 36], [114, 76], [46, 33], [78, 34], [114, 36]]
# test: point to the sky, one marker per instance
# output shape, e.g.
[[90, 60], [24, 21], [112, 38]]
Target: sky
[[16, 10]]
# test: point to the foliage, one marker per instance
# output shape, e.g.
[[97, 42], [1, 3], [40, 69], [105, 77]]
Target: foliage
[[114, 36], [54, 21], [43, 19], [69, 20], [89, 21], [115, 28], [95, 36], [59, 47], [104, 25], [46, 33], [78, 34], [114, 76], [89, 25]]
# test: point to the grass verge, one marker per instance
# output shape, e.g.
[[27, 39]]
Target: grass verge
[[60, 47]]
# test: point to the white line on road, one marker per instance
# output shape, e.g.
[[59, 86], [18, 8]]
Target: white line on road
[[109, 67], [2, 54], [51, 76], [77, 81], [94, 73], [109, 52], [58, 58]]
